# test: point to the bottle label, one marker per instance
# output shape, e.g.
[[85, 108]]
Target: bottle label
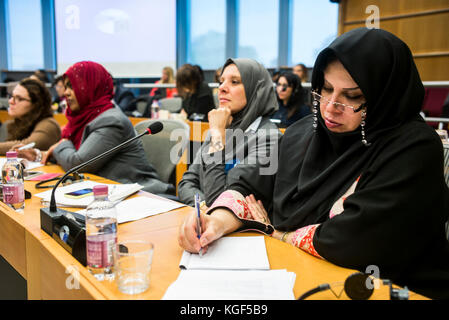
[[100, 250], [13, 193]]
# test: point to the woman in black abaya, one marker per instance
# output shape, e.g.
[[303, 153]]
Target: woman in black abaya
[[360, 182]]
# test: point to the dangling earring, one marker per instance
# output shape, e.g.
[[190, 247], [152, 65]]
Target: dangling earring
[[362, 124], [315, 114]]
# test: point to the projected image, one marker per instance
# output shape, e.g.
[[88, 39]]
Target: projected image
[[134, 38]]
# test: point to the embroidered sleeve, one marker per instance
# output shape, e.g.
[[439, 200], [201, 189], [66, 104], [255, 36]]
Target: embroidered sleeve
[[303, 239], [235, 201]]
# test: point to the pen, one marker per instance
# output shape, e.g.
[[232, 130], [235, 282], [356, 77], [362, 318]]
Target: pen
[[198, 220], [27, 146]]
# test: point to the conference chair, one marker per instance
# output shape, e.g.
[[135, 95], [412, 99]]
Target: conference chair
[[4, 103], [164, 150], [3, 132], [171, 104]]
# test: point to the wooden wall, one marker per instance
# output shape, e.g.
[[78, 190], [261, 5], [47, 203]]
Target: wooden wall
[[422, 24]]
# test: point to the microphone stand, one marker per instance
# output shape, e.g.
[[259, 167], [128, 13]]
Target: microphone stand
[[68, 228]]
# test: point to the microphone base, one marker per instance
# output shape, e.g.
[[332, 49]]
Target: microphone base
[[68, 229]]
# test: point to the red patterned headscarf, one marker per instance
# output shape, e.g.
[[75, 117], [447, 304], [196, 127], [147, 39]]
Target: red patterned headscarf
[[93, 88]]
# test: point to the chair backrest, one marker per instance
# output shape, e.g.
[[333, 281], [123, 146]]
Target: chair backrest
[[4, 103], [171, 104], [446, 177], [446, 163], [164, 150], [141, 106], [3, 132]]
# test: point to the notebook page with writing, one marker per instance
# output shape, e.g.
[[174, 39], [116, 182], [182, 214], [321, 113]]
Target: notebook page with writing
[[230, 253]]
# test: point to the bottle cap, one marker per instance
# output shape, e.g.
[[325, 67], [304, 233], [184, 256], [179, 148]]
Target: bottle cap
[[11, 154], [100, 190]]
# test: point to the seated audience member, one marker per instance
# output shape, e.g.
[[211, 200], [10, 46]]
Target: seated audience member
[[32, 118], [290, 96], [96, 126], [197, 99], [59, 103], [122, 96], [359, 184], [167, 78], [247, 100], [41, 75], [301, 71]]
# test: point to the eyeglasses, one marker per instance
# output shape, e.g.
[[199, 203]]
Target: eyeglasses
[[338, 105], [17, 99]]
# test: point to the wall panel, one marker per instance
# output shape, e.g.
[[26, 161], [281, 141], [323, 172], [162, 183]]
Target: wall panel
[[422, 24]]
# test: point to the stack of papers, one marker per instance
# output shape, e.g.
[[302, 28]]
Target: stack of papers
[[232, 285], [141, 207], [233, 268], [117, 192]]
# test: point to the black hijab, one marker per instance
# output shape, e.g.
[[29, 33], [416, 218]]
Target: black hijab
[[395, 217], [327, 162]]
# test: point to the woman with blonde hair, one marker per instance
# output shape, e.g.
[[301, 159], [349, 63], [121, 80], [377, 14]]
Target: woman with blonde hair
[[168, 77]]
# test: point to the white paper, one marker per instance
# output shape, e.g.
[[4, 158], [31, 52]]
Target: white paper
[[232, 285], [141, 207], [61, 200], [230, 253]]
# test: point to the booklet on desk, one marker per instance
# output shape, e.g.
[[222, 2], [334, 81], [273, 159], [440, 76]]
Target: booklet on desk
[[233, 268], [117, 192]]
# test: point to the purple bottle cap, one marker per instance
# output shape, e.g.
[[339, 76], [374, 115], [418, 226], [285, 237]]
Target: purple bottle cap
[[100, 190], [11, 154]]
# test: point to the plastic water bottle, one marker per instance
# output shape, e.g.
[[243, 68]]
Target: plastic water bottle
[[155, 109], [12, 180], [101, 235]]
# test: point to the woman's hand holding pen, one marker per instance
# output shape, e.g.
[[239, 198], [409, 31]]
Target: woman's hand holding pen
[[27, 153], [214, 226]]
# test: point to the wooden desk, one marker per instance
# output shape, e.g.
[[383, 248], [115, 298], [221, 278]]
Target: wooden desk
[[52, 273]]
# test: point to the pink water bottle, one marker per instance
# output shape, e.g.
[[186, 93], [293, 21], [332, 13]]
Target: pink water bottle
[[12, 181]]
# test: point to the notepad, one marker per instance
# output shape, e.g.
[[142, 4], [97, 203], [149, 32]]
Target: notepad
[[233, 268], [230, 253]]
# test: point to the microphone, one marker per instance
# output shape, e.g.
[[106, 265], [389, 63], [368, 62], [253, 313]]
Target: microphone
[[68, 228]]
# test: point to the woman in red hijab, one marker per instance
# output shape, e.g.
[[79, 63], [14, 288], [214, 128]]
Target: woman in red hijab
[[95, 126]]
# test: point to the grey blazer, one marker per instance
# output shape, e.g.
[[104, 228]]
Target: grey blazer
[[127, 165], [209, 177]]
